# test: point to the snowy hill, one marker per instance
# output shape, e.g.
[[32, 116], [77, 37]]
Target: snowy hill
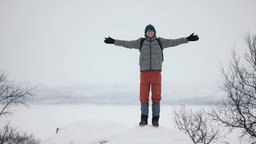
[[106, 132]]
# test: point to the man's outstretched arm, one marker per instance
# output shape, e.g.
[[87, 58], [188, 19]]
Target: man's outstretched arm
[[124, 43], [174, 42]]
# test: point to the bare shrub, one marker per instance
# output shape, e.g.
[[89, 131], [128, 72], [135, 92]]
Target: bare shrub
[[9, 135], [197, 125]]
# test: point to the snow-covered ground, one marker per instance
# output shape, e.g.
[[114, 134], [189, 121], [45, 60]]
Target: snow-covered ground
[[89, 131], [98, 124], [100, 132], [42, 120]]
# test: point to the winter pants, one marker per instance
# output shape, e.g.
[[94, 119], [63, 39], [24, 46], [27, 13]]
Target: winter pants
[[150, 80], [155, 109]]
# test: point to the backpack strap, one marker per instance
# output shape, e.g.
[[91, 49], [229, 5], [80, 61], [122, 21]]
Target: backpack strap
[[160, 44], [141, 42]]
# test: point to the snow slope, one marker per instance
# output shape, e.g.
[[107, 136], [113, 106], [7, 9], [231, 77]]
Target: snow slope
[[106, 132], [150, 135]]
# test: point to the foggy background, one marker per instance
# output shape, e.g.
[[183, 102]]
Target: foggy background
[[58, 46]]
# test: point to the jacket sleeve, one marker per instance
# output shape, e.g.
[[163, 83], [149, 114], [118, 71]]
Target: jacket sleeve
[[172, 42], [133, 44]]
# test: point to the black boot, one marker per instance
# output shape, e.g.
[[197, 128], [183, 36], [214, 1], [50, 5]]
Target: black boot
[[155, 120], [144, 120]]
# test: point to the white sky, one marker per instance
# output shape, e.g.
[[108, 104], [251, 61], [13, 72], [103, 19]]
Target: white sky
[[60, 42]]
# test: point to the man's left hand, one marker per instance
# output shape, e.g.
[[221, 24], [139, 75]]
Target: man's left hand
[[193, 37]]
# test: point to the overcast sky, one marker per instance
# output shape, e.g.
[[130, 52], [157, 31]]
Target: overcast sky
[[59, 43]]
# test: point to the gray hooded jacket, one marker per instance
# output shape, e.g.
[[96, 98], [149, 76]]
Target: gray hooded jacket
[[151, 53]]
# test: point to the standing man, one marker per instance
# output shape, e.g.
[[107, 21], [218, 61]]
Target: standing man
[[151, 57]]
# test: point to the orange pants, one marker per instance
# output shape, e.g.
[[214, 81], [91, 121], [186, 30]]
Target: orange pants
[[150, 80]]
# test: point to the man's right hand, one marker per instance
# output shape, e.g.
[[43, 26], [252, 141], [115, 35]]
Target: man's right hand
[[109, 40]]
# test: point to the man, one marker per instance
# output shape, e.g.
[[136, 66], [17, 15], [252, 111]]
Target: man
[[151, 58]]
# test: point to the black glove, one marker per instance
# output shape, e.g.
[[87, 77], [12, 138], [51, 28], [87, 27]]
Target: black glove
[[192, 37], [109, 40]]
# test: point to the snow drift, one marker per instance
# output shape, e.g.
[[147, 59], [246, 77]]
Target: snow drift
[[106, 132], [86, 132]]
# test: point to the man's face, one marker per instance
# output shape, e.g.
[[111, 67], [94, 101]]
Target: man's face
[[150, 34]]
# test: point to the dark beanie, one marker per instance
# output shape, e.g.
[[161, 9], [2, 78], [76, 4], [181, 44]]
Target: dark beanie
[[150, 27]]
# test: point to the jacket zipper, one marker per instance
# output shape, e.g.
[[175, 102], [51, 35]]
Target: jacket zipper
[[150, 55]]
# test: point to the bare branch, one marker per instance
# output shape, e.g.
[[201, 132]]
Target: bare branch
[[11, 94]]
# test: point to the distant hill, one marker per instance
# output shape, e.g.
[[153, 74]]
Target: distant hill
[[126, 94]]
